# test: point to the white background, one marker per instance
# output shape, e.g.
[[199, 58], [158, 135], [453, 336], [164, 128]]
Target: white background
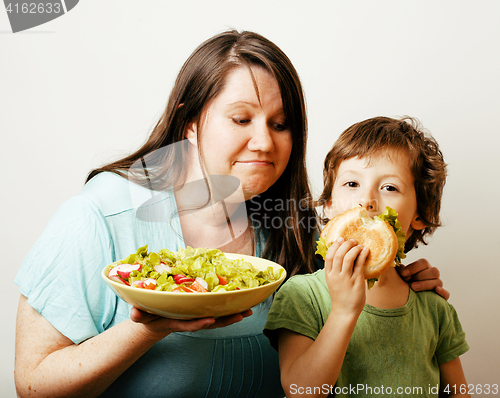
[[87, 87]]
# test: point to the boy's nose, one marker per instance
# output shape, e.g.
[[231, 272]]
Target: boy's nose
[[369, 205]]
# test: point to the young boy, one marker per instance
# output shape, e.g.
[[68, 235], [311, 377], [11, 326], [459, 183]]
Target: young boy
[[334, 335]]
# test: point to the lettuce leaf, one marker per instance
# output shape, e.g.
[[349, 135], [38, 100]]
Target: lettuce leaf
[[322, 247], [137, 256], [200, 262], [391, 216], [371, 282]]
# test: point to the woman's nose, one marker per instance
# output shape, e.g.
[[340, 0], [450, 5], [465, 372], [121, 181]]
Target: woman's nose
[[261, 139]]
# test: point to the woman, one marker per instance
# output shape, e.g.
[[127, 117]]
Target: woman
[[236, 110]]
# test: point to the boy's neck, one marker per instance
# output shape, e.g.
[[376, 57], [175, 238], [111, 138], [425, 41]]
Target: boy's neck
[[390, 291]]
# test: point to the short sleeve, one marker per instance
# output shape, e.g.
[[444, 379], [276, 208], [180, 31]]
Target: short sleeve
[[295, 307], [61, 274], [451, 343]]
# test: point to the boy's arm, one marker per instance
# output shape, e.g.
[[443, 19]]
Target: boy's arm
[[453, 383], [315, 363]]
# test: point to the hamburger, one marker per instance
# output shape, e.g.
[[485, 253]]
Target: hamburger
[[382, 234]]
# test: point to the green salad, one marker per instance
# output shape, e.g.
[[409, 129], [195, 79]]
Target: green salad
[[189, 270]]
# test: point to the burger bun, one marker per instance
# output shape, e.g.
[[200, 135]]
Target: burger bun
[[377, 235]]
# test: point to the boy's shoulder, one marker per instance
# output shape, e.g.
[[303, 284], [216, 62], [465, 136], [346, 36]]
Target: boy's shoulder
[[431, 298], [306, 285], [315, 278], [436, 306]]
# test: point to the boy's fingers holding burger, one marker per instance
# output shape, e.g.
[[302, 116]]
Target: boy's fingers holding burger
[[330, 254], [359, 266], [350, 259], [338, 252]]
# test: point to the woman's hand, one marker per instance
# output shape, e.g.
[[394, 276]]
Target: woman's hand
[[159, 325], [422, 276], [344, 273]]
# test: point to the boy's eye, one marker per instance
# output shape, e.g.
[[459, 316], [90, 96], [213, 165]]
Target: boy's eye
[[389, 188]]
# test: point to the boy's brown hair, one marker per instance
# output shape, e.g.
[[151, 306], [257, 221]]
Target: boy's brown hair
[[365, 138]]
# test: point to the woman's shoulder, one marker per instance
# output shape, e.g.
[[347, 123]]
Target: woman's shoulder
[[114, 194]]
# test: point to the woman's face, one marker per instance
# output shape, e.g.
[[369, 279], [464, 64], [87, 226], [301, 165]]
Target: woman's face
[[245, 134]]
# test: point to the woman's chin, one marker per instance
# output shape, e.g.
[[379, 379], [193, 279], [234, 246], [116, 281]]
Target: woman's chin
[[252, 192]]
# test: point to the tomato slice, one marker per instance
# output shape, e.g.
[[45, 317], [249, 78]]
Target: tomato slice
[[149, 285], [179, 278], [183, 288], [197, 287], [222, 280]]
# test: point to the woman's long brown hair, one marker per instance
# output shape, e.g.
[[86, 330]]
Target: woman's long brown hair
[[284, 211]]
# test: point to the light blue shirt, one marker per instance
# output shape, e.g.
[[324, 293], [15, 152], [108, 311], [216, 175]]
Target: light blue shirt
[[61, 277]]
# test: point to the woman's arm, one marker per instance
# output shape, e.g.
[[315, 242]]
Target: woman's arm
[[453, 383], [422, 276], [49, 364]]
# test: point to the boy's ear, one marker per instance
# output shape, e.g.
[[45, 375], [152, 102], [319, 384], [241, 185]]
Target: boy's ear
[[328, 209], [417, 224], [191, 133]]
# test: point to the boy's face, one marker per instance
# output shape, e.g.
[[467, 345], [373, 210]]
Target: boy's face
[[383, 180]]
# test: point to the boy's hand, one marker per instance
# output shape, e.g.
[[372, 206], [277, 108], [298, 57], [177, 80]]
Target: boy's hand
[[422, 276], [344, 272]]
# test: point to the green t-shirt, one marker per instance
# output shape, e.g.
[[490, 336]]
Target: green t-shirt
[[392, 352]]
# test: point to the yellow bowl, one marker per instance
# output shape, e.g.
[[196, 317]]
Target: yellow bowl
[[198, 305]]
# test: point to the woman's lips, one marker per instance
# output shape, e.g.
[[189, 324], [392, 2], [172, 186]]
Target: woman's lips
[[257, 163]]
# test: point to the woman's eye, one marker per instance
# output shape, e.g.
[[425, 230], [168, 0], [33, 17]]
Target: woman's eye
[[241, 120], [280, 126]]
